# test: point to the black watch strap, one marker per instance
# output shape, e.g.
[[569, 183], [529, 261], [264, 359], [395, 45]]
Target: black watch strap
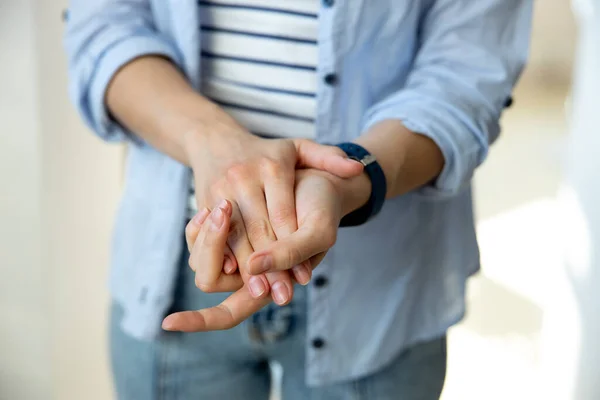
[[378, 185]]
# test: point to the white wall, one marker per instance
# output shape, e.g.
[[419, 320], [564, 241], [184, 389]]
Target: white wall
[[60, 187], [80, 190], [24, 289], [553, 37]]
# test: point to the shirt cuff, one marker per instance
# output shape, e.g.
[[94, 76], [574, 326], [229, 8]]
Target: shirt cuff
[[109, 62]]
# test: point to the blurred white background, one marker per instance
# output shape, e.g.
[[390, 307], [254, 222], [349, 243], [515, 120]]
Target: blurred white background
[[60, 188]]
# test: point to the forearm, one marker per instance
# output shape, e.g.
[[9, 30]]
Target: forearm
[[150, 97], [409, 160]]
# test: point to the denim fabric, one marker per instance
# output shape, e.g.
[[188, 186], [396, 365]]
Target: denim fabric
[[235, 364]]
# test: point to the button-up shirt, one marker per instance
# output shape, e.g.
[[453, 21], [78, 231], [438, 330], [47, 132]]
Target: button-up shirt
[[445, 68]]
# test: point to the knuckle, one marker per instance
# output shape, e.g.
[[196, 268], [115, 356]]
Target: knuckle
[[282, 216], [329, 236], [294, 256], [237, 173], [205, 287], [325, 226], [270, 167], [258, 228], [288, 147]]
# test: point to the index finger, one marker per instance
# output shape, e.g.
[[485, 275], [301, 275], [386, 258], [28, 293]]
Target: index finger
[[230, 313], [292, 250], [281, 206]]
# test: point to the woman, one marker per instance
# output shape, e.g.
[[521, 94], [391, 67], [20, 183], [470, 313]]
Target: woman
[[413, 90]]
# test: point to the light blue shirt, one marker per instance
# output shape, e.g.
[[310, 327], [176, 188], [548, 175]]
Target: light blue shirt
[[443, 67]]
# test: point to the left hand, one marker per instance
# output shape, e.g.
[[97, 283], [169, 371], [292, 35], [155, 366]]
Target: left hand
[[319, 209], [321, 201]]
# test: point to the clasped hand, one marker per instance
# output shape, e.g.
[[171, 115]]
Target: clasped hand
[[262, 224]]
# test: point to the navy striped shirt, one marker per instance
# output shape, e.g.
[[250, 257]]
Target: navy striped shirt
[[259, 62]]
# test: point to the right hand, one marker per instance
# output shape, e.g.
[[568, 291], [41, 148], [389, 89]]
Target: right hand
[[257, 177]]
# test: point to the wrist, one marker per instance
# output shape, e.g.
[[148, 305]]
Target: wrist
[[355, 192], [217, 134]]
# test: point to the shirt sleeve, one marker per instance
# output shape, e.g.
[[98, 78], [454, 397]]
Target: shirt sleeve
[[101, 37], [470, 56]]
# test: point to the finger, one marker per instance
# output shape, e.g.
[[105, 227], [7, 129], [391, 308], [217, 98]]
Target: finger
[[223, 284], [256, 219], [206, 258], [281, 207], [229, 268], [230, 313], [193, 227], [210, 248], [326, 158], [242, 249], [230, 264], [303, 272], [316, 260], [191, 233], [288, 252]]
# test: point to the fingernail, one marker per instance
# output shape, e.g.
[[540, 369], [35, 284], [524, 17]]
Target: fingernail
[[280, 293], [217, 218], [223, 204], [257, 287], [229, 267], [302, 274], [262, 264], [167, 324], [200, 216]]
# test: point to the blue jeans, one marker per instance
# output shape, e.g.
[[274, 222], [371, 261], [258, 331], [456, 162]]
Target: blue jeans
[[235, 364]]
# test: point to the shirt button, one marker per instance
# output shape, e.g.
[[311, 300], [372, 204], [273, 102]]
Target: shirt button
[[509, 102], [330, 79], [320, 281], [328, 3], [318, 343]]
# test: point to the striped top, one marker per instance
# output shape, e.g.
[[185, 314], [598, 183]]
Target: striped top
[[259, 61]]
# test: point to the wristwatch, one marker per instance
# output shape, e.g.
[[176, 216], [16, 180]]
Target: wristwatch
[[378, 185]]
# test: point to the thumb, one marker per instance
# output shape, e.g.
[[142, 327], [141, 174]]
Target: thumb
[[326, 158]]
